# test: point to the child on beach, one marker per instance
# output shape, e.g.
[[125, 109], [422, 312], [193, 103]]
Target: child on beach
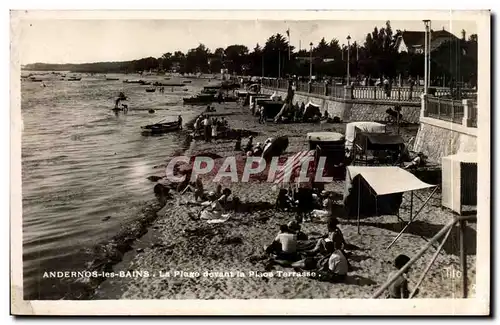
[[399, 288], [337, 264]]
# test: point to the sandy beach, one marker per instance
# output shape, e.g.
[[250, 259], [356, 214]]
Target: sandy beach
[[182, 256]]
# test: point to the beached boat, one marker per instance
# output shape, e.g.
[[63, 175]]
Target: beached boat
[[150, 90], [200, 99], [187, 81], [172, 84], [160, 128], [132, 81], [74, 78], [112, 79], [207, 90]]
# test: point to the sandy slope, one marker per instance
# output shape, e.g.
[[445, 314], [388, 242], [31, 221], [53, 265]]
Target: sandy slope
[[176, 243]]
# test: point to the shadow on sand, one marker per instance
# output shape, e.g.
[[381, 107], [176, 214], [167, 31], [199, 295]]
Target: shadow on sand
[[427, 230]]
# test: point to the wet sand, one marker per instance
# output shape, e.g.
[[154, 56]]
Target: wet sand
[[181, 256]]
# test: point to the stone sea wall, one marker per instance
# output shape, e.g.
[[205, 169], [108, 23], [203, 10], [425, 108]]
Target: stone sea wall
[[353, 110], [438, 139]]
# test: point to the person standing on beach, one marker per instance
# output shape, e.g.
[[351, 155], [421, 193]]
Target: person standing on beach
[[206, 128], [179, 122]]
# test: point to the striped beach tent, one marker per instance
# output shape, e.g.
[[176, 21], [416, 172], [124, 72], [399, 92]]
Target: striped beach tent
[[293, 166]]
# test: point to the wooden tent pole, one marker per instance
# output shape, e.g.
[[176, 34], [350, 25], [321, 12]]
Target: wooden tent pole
[[415, 258], [359, 194], [430, 263], [408, 224], [411, 206], [463, 257]]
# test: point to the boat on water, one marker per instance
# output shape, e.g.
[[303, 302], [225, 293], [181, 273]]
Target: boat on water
[[187, 81], [160, 128], [112, 79], [74, 78], [126, 81]]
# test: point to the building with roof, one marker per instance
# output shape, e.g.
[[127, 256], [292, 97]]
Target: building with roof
[[414, 42]]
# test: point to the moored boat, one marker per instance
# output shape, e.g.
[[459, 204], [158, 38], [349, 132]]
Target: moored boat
[[160, 128]]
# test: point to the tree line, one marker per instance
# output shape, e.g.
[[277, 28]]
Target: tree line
[[378, 56]]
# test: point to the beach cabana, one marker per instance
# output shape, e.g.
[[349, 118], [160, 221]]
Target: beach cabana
[[352, 128], [368, 145], [374, 191]]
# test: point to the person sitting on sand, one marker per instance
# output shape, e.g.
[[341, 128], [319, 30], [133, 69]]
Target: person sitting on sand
[[197, 189], [337, 264], [218, 190], [284, 245], [327, 206], [257, 151], [334, 235], [212, 208], [418, 161], [399, 288], [224, 197], [295, 228], [283, 201]]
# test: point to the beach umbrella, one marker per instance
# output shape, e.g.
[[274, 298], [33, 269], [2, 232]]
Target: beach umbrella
[[276, 148]]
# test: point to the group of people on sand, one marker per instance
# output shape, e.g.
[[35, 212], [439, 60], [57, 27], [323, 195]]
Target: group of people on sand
[[250, 149], [215, 204], [208, 126], [327, 255]]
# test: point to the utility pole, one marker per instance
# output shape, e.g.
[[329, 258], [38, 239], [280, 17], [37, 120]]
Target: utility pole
[[310, 61], [426, 57], [279, 63], [348, 55]]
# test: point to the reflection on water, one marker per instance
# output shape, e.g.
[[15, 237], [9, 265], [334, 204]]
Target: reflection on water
[[81, 162]]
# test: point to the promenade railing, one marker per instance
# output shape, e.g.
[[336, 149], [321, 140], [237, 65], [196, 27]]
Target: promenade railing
[[463, 112], [353, 92]]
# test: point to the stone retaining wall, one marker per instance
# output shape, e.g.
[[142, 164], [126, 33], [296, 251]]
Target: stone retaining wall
[[353, 110]]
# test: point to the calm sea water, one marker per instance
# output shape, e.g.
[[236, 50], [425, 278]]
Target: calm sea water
[[81, 162]]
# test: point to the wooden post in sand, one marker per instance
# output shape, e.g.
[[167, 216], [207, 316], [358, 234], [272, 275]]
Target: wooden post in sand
[[463, 257]]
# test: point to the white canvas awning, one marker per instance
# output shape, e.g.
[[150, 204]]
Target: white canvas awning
[[388, 180]]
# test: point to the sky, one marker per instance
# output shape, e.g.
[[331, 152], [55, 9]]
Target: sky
[[98, 40]]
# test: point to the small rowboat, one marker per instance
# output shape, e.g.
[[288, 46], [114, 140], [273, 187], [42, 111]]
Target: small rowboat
[[160, 128]]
